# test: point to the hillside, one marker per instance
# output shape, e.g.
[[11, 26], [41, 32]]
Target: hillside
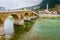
[[2, 8], [51, 3]]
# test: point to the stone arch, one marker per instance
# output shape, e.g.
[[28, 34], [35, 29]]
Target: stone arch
[[26, 14], [8, 25], [15, 16]]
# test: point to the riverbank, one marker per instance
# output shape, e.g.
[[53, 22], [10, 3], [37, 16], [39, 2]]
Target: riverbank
[[50, 17], [2, 33]]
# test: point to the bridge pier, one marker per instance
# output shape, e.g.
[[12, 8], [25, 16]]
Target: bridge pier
[[27, 18], [19, 22]]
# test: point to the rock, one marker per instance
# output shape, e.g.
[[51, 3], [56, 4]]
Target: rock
[[1, 31], [19, 22]]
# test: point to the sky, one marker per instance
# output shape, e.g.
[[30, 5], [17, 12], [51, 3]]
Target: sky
[[14, 4]]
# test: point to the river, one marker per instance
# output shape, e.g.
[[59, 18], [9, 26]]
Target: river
[[39, 29]]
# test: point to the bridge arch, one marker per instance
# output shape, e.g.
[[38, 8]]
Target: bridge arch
[[26, 14], [15, 16], [9, 25]]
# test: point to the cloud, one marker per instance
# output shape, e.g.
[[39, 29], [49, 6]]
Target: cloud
[[18, 3]]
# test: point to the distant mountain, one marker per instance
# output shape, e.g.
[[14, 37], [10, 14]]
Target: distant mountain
[[2, 8], [51, 3], [33, 7]]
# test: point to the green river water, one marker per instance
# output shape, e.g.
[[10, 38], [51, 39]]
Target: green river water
[[39, 29]]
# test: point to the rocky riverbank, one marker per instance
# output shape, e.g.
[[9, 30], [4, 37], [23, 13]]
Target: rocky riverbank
[[2, 33]]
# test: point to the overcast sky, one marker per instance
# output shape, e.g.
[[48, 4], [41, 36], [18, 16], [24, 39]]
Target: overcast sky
[[18, 3]]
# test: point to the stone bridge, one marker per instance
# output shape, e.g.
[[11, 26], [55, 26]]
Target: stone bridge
[[19, 16]]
